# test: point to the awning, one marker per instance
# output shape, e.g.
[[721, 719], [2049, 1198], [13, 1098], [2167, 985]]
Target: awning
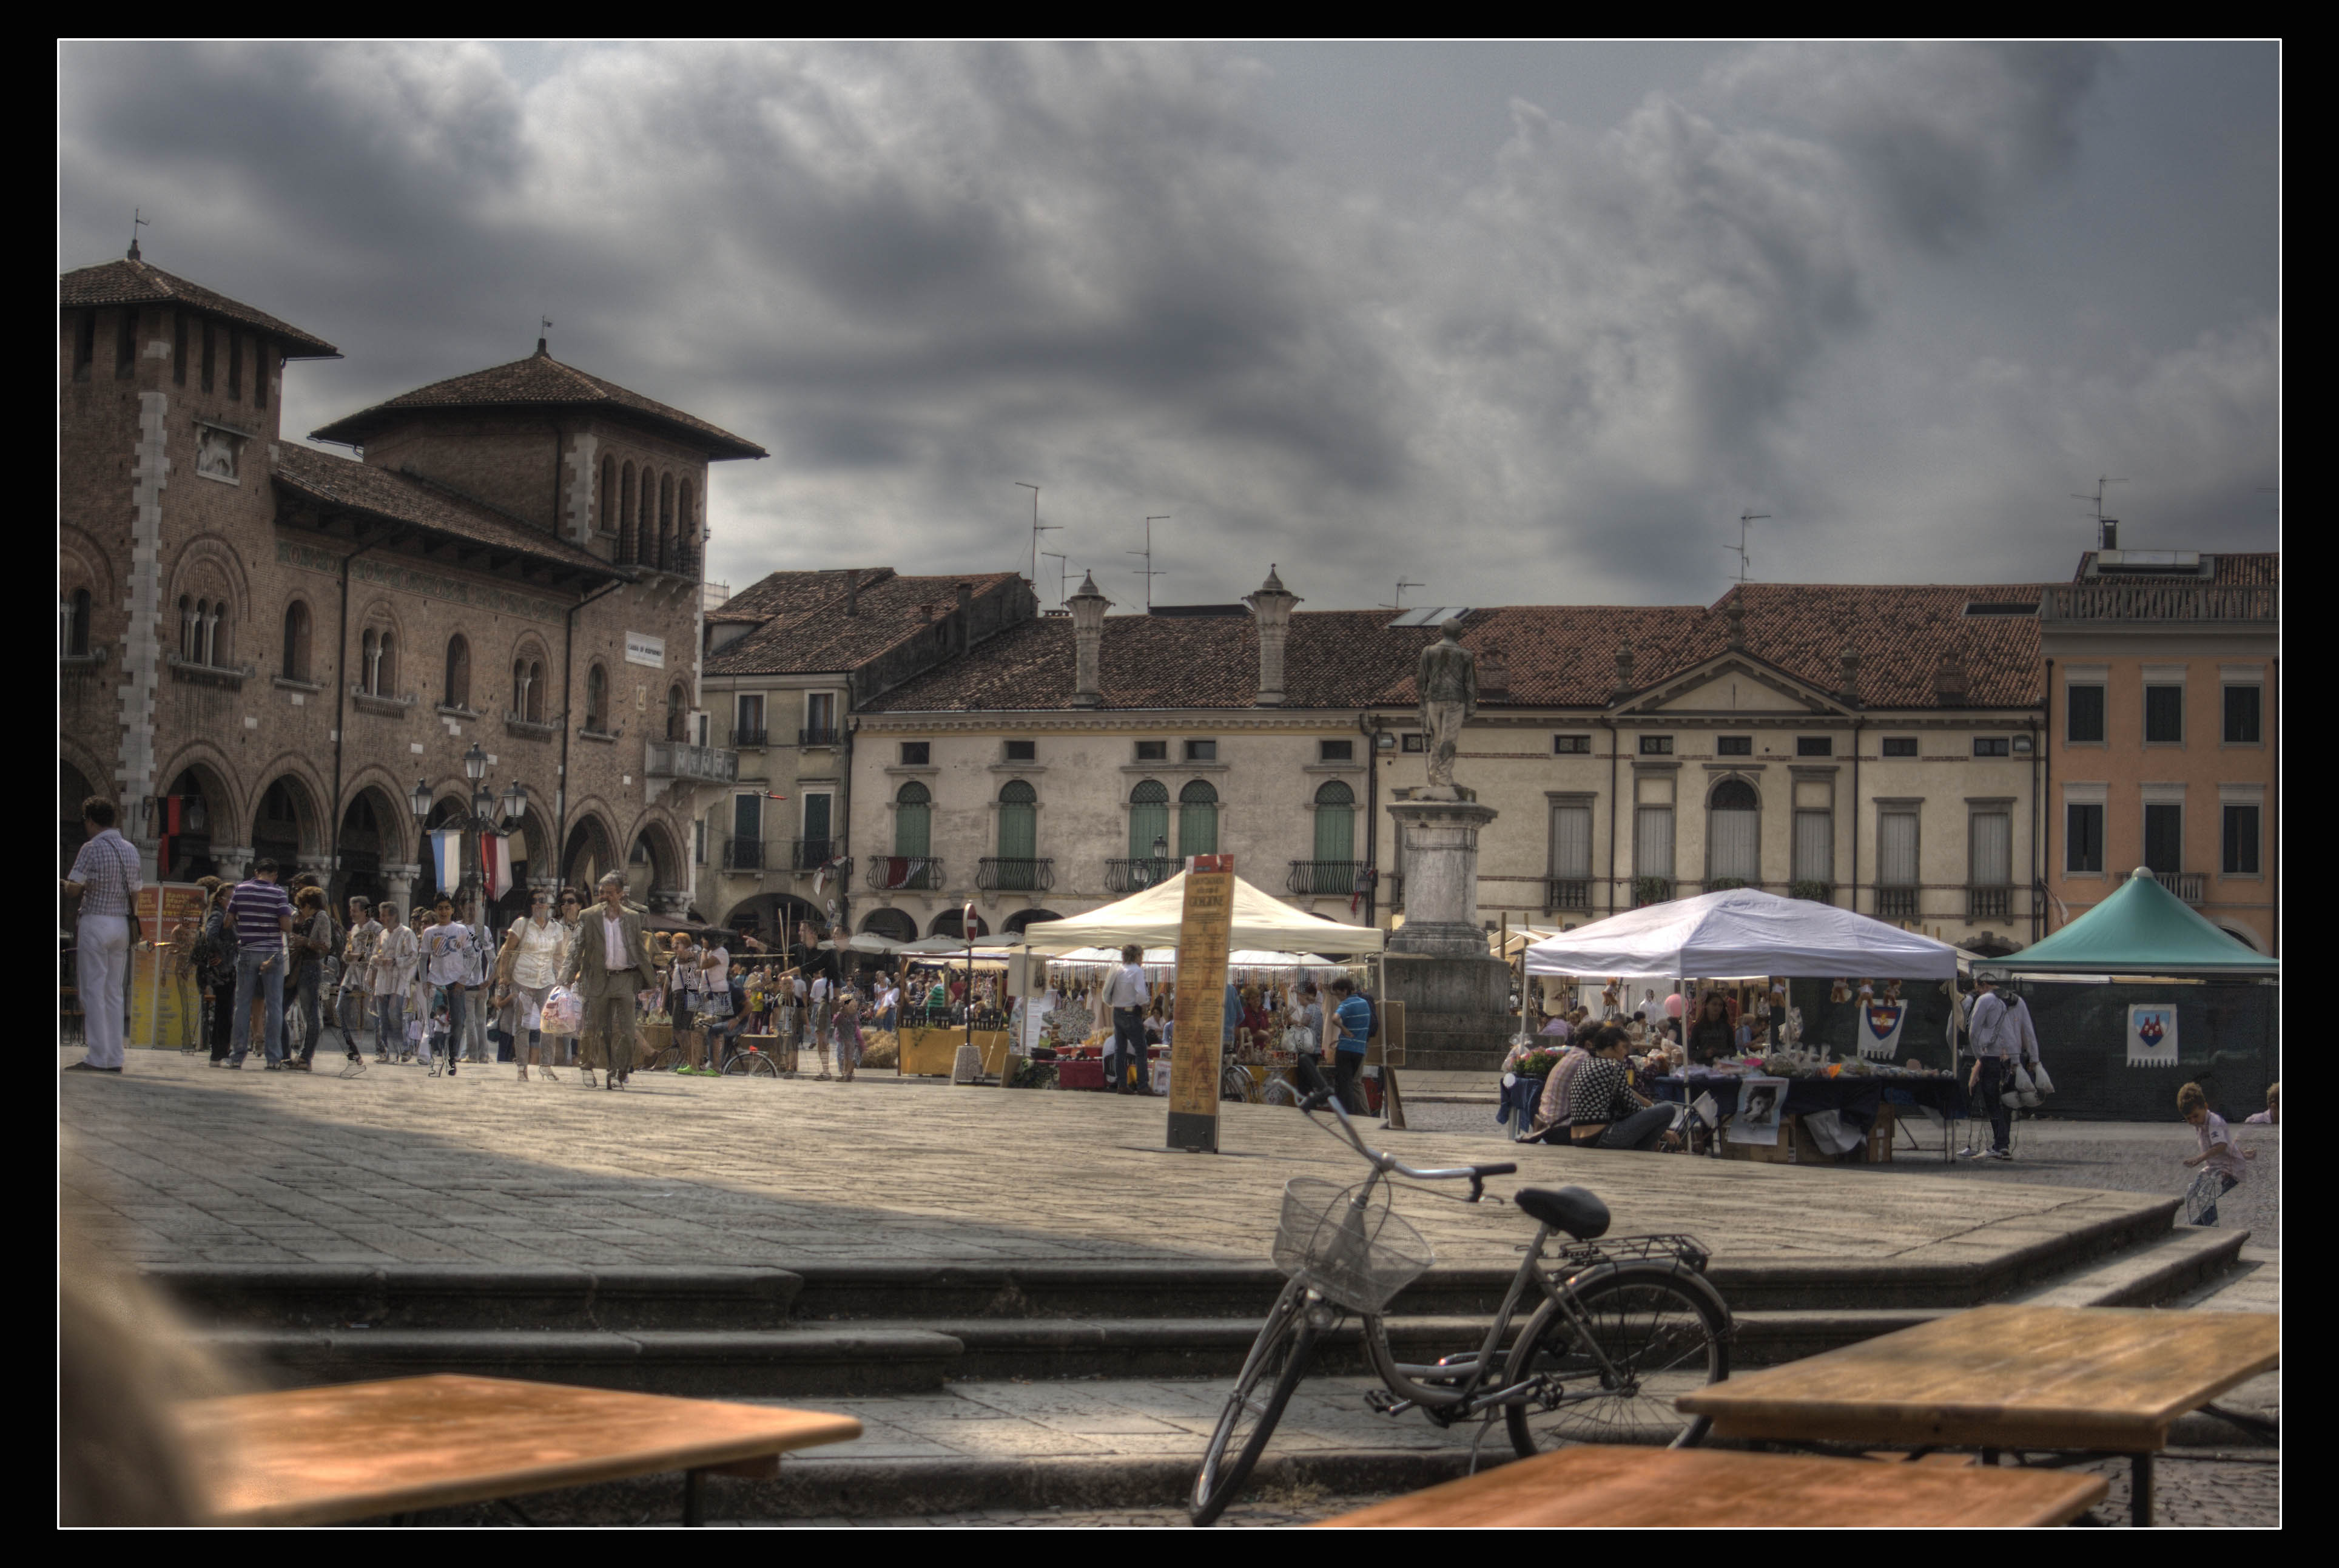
[[1744, 932], [2141, 929], [1151, 918]]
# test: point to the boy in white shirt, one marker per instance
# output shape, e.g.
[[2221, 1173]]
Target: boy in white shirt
[[2217, 1150]]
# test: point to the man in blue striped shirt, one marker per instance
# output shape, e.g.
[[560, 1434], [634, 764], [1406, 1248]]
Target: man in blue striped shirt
[[262, 915], [105, 876]]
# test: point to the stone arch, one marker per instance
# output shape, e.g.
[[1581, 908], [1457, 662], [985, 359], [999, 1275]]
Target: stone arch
[[1022, 917], [197, 771], [947, 923], [531, 664], [73, 788], [371, 837], [655, 849], [893, 924], [591, 849], [2241, 933], [304, 794], [208, 570], [772, 918], [82, 564]]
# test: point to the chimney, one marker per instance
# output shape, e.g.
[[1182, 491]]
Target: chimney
[[1624, 667], [1949, 684], [1735, 613], [1088, 607], [2110, 533], [1493, 672], [965, 617], [1848, 660], [852, 593], [1271, 607]]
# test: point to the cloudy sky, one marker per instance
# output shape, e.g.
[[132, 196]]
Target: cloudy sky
[[1524, 324]]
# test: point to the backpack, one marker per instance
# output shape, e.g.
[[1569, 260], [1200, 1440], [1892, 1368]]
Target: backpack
[[214, 946]]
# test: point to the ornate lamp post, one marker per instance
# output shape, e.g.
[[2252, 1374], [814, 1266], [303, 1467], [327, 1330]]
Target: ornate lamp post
[[485, 808]]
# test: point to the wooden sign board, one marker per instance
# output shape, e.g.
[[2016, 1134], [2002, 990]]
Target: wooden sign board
[[1204, 928]]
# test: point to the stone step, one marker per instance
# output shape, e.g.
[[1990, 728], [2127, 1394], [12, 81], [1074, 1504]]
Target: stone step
[[481, 1297], [2160, 1271]]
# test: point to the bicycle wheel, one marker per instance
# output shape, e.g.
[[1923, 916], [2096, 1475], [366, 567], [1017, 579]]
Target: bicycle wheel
[[1235, 1084], [665, 1061], [759, 1065], [1659, 1337], [1279, 1359]]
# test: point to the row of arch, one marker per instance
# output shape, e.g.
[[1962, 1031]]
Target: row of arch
[[1149, 820], [654, 515]]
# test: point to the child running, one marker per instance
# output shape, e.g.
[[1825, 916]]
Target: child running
[[2217, 1150]]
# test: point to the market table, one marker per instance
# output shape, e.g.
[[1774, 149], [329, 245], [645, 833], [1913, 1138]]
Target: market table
[[1858, 1097], [1591, 1485], [359, 1450], [2055, 1379]]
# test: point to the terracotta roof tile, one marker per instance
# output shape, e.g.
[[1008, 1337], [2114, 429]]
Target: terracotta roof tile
[[787, 593], [541, 381], [342, 482], [2236, 569], [811, 632], [141, 283]]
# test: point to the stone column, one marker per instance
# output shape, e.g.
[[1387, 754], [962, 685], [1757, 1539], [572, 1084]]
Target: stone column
[[234, 861], [1456, 993], [400, 879]]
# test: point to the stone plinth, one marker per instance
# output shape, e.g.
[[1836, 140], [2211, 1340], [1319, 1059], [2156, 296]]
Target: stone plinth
[[1456, 994]]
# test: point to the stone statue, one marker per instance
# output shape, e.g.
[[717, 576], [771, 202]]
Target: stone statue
[[1448, 679]]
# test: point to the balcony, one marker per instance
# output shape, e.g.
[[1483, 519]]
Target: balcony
[[1989, 902], [743, 855], [809, 855], [998, 873], [749, 740], [818, 738], [1325, 878], [1566, 893], [905, 874], [1137, 875], [1649, 889], [1896, 904], [698, 765], [2192, 886]]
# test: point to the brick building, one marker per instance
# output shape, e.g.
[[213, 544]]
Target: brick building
[[265, 646]]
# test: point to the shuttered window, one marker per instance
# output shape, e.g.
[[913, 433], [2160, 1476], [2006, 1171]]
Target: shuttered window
[[1992, 836], [1896, 848], [1571, 842], [1197, 820], [1336, 821], [1815, 846], [913, 820], [1018, 822], [1149, 818], [1735, 849], [1653, 841]]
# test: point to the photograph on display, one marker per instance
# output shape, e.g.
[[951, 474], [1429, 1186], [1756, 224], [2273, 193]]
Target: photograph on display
[[1760, 1101]]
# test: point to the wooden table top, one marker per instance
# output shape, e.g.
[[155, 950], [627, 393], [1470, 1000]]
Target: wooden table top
[[356, 1450], [2110, 1378], [1593, 1486]]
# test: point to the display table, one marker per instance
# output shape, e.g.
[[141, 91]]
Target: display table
[[933, 1052], [1856, 1098]]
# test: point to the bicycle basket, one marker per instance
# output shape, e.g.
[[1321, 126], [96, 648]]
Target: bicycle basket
[[1360, 1259]]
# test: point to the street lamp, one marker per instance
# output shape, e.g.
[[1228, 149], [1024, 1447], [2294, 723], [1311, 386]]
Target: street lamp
[[1160, 854]]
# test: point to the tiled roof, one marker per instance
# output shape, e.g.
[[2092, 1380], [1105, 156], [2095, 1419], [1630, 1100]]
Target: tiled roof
[[812, 632], [139, 283], [786, 593], [1557, 655], [541, 381], [344, 483], [2236, 569]]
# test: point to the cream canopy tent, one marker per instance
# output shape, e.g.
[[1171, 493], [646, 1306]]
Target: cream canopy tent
[[1150, 919], [1743, 931]]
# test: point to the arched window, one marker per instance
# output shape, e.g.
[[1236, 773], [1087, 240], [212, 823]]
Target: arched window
[[209, 647], [685, 513], [1018, 822], [625, 545], [519, 689], [186, 627], [645, 520], [203, 626], [666, 522], [609, 494], [1197, 820], [386, 670], [296, 641], [459, 672], [1149, 818], [678, 716], [597, 700], [1336, 822], [533, 711], [914, 819], [77, 631], [370, 674], [1734, 841]]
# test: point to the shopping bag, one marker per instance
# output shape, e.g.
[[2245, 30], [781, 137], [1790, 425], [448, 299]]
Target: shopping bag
[[563, 1012], [2039, 1077], [2019, 1091]]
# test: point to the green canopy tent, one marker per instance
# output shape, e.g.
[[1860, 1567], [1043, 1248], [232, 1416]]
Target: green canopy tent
[[2142, 929]]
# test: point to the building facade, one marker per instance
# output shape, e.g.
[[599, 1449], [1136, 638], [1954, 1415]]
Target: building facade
[[2164, 671], [269, 650]]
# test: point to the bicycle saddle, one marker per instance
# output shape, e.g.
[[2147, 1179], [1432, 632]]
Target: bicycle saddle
[[1568, 1209]]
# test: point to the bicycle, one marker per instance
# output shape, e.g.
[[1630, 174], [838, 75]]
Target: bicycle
[[749, 1062], [1620, 1331]]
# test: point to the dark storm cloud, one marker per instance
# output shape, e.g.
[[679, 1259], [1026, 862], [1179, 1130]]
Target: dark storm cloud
[[918, 274]]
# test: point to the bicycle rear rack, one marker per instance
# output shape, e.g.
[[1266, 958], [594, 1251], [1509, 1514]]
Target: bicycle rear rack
[[1688, 1249]]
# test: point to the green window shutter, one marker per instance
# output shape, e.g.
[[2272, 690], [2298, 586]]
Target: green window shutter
[[914, 820], [1018, 822], [1336, 822], [1149, 818], [1197, 820]]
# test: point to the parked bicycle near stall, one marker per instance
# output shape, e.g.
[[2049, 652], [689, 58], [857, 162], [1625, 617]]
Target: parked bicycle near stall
[[1617, 1330]]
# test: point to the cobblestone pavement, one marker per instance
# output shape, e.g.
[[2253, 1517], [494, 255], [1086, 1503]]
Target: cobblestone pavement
[[183, 1162]]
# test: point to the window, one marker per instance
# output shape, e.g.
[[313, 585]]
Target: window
[[125, 344], [917, 753], [296, 641], [1561, 745], [645, 520], [84, 344], [1153, 751], [1571, 840], [1018, 822], [1733, 745], [2242, 714], [699, 842], [1814, 848], [820, 717], [817, 848], [260, 374], [178, 347], [2164, 837], [368, 653], [1652, 842], [747, 828], [747, 719], [1815, 745], [1336, 751], [2241, 836], [523, 689], [1336, 821], [459, 672], [1202, 752], [1197, 819], [1148, 817], [1419, 744], [597, 700], [386, 666], [609, 495], [1990, 840], [913, 816], [2022, 745], [677, 712], [1896, 864], [1991, 747], [76, 627], [210, 355], [2083, 837], [235, 364], [1022, 751], [1656, 745], [2164, 715], [1900, 745], [628, 547], [2083, 716], [683, 525], [1735, 833]]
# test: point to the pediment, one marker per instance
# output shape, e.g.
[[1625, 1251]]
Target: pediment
[[1732, 682]]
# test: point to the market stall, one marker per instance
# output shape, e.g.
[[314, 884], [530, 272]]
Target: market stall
[[930, 1030]]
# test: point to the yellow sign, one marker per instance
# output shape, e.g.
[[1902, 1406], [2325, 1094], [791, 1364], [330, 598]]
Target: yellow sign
[[1204, 927], [165, 998]]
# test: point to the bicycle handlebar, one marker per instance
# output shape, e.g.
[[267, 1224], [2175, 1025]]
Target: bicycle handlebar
[[1319, 1096]]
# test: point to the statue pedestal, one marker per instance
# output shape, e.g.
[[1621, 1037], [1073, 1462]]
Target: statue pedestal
[[1456, 993]]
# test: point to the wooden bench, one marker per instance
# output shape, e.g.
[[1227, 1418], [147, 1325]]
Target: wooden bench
[[1598, 1486], [2050, 1379], [361, 1450]]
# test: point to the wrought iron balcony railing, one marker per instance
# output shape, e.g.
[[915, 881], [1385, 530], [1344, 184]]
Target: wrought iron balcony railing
[[1315, 878], [809, 855], [905, 874], [1000, 874], [1137, 875], [818, 738], [743, 855]]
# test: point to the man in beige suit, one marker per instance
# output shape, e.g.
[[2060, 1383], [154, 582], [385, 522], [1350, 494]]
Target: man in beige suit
[[612, 955]]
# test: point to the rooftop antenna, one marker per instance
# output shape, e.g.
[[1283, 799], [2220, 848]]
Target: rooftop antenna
[[1746, 562], [1403, 584], [137, 223], [1147, 571], [1063, 576], [2107, 529], [543, 327], [1037, 528]]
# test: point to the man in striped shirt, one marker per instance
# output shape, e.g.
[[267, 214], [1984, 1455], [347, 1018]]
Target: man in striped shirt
[[262, 915], [105, 876]]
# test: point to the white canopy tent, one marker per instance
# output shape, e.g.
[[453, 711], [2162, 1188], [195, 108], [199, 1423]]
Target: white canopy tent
[[1744, 932], [1151, 918]]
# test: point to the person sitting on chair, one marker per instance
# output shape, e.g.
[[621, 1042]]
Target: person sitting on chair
[[1603, 1110]]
